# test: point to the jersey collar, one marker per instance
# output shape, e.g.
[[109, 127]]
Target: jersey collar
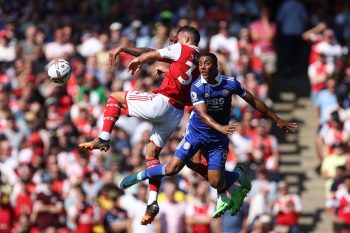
[[218, 78]]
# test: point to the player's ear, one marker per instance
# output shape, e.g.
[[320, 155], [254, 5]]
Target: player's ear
[[187, 38]]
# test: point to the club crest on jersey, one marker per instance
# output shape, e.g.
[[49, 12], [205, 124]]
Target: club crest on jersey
[[187, 145], [194, 96], [206, 95], [226, 93]]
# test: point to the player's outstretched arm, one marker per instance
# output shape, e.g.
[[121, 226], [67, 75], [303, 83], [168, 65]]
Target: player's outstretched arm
[[136, 63], [113, 54], [201, 109], [261, 107]]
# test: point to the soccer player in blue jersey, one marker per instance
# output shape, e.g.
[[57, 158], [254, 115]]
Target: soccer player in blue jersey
[[209, 126]]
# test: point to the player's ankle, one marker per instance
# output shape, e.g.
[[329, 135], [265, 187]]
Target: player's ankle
[[152, 197], [105, 135]]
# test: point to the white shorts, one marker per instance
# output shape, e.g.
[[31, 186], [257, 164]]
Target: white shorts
[[156, 109]]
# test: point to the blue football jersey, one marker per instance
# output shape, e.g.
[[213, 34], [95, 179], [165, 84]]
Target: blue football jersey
[[218, 100]]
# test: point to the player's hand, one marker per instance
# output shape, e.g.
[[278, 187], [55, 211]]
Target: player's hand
[[159, 70], [228, 129], [134, 66], [287, 126], [113, 54]]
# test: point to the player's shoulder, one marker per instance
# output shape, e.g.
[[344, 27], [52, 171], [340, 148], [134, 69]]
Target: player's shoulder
[[229, 80], [197, 84]]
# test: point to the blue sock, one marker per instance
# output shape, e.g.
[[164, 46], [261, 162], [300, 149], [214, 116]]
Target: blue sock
[[157, 171], [230, 177]]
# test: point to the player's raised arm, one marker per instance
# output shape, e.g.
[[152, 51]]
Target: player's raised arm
[[261, 107], [170, 53], [136, 63], [113, 54]]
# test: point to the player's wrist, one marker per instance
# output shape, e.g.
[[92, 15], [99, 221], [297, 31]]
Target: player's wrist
[[139, 59]]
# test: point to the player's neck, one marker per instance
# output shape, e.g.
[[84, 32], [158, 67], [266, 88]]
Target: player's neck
[[213, 80]]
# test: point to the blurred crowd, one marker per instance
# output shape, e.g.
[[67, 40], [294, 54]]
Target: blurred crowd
[[48, 185], [329, 75]]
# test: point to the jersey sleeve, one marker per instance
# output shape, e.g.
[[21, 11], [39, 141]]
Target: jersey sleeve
[[236, 87], [172, 52], [197, 96]]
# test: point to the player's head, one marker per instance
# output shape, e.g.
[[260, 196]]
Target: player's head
[[188, 35], [173, 36], [346, 181], [208, 67]]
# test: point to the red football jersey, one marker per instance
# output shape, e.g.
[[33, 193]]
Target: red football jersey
[[343, 198], [182, 72]]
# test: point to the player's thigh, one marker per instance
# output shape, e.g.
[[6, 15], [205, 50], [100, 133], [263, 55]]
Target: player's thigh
[[216, 154], [162, 131], [188, 147], [174, 166], [148, 106]]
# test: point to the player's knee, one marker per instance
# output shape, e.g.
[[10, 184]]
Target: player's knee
[[119, 96], [172, 169]]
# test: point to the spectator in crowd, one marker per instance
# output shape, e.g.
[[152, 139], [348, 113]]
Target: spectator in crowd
[[133, 204], [224, 44], [61, 47], [329, 47], [237, 223], [292, 17], [199, 210], [332, 133], [116, 219], [242, 145], [330, 164], [287, 208], [338, 208], [172, 213], [47, 207], [319, 71], [326, 101], [263, 32], [265, 147], [314, 36], [7, 217]]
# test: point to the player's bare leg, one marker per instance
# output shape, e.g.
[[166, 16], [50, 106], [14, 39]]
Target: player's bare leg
[[198, 164], [152, 209], [111, 113]]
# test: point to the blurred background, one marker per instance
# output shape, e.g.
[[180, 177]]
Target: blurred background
[[292, 54]]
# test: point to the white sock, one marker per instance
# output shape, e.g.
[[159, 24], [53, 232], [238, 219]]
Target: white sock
[[153, 195], [105, 135]]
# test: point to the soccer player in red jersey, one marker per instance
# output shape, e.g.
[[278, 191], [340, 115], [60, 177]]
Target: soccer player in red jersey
[[164, 107]]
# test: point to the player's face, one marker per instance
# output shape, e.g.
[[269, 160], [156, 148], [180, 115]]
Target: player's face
[[173, 37], [207, 69]]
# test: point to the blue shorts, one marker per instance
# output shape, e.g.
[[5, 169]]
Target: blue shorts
[[214, 149]]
